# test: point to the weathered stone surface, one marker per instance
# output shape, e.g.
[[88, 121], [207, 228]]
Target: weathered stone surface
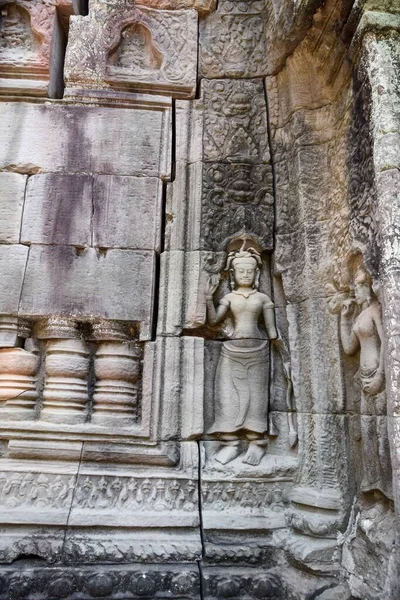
[[12, 193], [117, 284], [235, 121], [58, 210], [140, 49], [247, 425], [176, 582], [32, 44], [233, 41], [127, 212], [81, 139], [13, 261], [203, 7]]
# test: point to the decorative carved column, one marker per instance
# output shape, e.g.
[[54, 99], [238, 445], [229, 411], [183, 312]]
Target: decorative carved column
[[117, 371], [65, 394], [18, 369]]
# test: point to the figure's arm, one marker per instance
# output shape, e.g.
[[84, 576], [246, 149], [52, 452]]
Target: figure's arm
[[379, 329], [216, 315], [378, 381], [269, 319], [350, 341]]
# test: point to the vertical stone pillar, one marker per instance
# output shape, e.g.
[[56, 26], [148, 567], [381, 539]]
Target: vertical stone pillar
[[380, 61], [18, 370], [117, 372], [65, 394]]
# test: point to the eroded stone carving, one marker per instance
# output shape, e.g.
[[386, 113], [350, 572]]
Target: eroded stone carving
[[17, 41], [235, 122], [136, 48], [237, 199], [233, 41], [362, 331], [32, 43], [241, 383]]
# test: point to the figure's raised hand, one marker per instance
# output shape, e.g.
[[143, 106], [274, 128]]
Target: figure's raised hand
[[212, 285], [348, 307]]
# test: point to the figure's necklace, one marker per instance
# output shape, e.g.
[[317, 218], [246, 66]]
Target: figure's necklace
[[245, 294]]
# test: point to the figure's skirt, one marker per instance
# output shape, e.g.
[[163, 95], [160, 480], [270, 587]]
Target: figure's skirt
[[241, 389]]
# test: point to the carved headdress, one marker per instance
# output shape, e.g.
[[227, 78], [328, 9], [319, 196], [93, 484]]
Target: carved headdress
[[243, 255]]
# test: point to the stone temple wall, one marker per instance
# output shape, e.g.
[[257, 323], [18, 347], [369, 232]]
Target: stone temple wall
[[199, 299]]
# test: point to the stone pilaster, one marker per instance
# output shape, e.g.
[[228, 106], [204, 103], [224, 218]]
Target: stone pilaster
[[66, 363], [117, 365]]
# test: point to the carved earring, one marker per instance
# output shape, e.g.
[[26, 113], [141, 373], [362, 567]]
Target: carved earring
[[257, 280]]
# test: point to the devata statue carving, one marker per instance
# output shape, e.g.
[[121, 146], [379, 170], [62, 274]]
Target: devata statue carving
[[361, 330], [242, 377]]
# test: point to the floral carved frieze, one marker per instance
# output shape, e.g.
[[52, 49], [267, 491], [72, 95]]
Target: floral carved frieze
[[22, 490], [133, 493], [137, 49]]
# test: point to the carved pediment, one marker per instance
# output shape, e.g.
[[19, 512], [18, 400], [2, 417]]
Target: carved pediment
[[18, 43], [136, 53], [144, 50]]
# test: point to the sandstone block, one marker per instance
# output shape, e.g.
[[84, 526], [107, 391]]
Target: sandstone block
[[189, 118], [139, 49], [32, 38], [12, 191], [12, 269], [117, 284], [127, 212], [58, 210], [81, 139], [233, 41], [235, 125], [316, 366]]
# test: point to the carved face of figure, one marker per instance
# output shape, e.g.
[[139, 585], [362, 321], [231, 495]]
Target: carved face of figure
[[245, 272], [362, 288]]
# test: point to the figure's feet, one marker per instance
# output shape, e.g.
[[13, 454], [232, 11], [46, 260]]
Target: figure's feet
[[254, 453], [227, 453]]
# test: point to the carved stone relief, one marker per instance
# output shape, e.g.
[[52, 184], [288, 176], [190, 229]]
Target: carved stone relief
[[233, 41], [32, 46], [361, 331], [237, 185], [17, 40], [241, 379], [192, 375], [139, 49], [236, 199]]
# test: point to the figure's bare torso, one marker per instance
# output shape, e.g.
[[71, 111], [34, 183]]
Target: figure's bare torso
[[370, 345], [246, 313]]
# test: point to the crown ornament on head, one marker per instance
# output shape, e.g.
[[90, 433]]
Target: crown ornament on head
[[243, 255]]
